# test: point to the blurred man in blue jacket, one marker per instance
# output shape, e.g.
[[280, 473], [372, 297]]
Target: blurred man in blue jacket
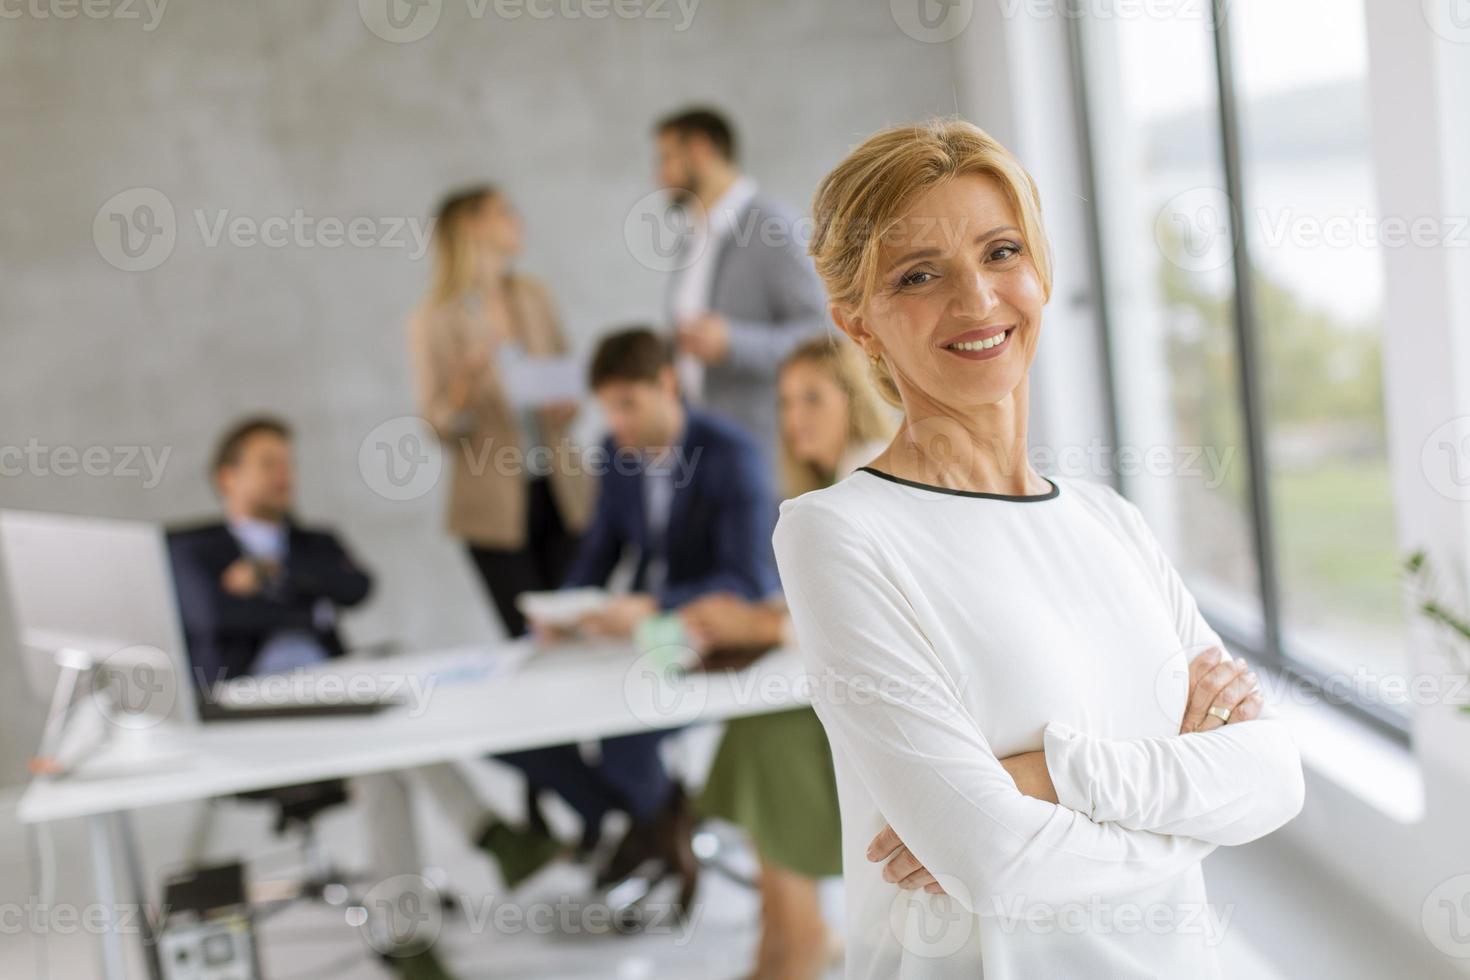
[[686, 498]]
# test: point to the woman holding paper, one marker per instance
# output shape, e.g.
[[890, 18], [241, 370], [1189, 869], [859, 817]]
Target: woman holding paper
[[518, 493]]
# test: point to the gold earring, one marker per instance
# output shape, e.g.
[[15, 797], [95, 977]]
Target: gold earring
[[874, 358]]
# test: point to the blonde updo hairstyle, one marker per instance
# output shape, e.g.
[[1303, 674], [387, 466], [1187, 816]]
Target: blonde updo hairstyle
[[868, 193]]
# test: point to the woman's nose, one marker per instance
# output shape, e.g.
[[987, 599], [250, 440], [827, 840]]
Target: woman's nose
[[974, 296]]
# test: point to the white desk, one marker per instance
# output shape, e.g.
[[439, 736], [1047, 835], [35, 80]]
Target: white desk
[[554, 697]]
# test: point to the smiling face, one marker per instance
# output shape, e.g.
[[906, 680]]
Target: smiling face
[[955, 309]]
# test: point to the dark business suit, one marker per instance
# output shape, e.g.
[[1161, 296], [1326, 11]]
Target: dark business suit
[[225, 632], [718, 539]]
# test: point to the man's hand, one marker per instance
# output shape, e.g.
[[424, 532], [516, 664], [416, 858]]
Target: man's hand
[[619, 617], [1229, 685], [242, 578], [706, 336], [725, 620]]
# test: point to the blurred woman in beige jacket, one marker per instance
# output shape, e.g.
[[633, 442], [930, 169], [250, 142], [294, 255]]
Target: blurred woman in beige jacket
[[518, 493]]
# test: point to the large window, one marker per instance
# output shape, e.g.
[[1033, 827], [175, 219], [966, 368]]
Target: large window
[[1242, 290]]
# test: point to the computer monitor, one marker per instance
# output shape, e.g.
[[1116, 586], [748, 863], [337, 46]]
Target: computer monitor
[[104, 587]]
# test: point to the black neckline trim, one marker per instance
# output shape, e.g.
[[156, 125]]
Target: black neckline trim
[[1019, 498]]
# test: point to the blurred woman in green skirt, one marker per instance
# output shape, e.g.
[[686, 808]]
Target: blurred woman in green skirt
[[773, 774]]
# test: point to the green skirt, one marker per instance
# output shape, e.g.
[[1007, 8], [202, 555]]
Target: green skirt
[[772, 776]]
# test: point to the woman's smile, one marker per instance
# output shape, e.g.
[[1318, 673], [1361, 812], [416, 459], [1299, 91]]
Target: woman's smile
[[980, 344]]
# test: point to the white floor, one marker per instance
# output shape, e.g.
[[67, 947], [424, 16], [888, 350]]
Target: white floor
[[1286, 919]]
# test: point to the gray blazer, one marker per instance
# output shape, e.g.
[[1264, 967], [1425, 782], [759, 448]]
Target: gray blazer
[[765, 285]]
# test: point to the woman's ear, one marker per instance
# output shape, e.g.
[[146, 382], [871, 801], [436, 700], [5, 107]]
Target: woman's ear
[[850, 322]]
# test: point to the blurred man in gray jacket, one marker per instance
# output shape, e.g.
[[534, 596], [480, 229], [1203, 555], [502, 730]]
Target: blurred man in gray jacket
[[743, 292]]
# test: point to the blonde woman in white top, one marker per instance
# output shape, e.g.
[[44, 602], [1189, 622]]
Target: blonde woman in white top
[[1036, 736]]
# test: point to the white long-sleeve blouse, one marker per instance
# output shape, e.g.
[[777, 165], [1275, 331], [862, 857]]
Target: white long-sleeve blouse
[[944, 631]]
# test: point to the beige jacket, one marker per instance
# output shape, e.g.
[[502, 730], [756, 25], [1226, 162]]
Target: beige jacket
[[487, 486]]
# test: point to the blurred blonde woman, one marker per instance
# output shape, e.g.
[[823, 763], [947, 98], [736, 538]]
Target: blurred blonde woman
[[773, 773], [519, 521]]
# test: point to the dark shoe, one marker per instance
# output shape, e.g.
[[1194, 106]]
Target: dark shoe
[[638, 846], [520, 852], [423, 965], [676, 835], [668, 841]]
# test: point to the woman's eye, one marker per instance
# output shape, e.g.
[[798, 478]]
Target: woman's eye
[[916, 278], [1002, 252]]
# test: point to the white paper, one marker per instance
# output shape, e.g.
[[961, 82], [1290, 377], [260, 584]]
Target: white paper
[[531, 382]]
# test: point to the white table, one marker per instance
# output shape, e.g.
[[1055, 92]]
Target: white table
[[470, 710]]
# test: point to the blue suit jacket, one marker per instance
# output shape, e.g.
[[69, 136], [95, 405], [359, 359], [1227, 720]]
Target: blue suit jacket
[[720, 520]]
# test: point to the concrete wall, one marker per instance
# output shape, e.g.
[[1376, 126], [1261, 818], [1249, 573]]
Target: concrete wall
[[300, 112]]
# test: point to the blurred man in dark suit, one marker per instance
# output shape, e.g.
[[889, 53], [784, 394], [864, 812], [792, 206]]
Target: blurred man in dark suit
[[258, 592], [687, 498]]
